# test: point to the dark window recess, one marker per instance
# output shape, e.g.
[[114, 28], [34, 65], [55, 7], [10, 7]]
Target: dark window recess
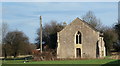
[[78, 38]]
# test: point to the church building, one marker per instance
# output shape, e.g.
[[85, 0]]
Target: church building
[[80, 40]]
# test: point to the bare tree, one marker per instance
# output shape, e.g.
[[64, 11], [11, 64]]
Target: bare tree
[[110, 38], [50, 34], [18, 43], [117, 29], [0, 33], [4, 30], [92, 20], [0, 39]]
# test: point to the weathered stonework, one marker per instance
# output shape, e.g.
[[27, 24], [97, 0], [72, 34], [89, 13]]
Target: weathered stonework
[[91, 41]]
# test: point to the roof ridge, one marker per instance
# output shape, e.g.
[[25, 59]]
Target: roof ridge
[[87, 24]]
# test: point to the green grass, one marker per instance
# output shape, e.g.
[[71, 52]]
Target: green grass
[[91, 61]]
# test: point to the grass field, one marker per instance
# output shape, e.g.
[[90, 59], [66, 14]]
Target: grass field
[[92, 61]]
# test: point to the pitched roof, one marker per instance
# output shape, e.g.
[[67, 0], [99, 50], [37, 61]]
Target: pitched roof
[[78, 19], [86, 24]]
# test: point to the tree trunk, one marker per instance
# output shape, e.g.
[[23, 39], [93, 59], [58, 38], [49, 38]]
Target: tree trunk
[[15, 54]]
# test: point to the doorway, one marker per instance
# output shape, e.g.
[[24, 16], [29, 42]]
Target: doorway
[[78, 52], [97, 50]]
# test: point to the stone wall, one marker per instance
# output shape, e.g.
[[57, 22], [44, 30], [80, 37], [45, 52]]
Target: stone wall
[[66, 40]]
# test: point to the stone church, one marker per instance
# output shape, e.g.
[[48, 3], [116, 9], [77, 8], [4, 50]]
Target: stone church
[[80, 40]]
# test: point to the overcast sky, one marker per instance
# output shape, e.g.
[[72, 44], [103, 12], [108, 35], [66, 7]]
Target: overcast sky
[[24, 16]]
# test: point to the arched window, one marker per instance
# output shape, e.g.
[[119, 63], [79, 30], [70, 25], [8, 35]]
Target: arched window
[[78, 38]]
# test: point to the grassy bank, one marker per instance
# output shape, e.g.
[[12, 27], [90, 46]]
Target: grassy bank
[[91, 61]]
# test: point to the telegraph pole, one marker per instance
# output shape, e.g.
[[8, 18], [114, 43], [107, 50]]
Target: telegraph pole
[[41, 34]]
